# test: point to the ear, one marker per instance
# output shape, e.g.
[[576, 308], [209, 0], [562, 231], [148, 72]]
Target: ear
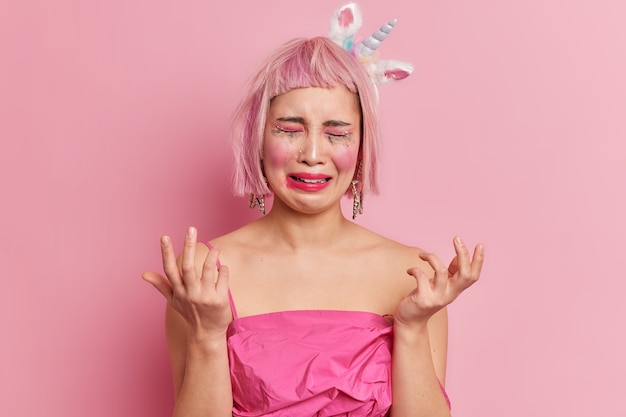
[[344, 24], [391, 70]]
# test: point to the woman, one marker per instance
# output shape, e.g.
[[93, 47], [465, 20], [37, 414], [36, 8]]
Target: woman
[[303, 312]]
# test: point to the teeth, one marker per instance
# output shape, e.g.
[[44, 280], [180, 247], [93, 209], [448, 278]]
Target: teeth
[[310, 181]]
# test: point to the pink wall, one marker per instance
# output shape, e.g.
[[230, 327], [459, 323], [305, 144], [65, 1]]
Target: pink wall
[[512, 131]]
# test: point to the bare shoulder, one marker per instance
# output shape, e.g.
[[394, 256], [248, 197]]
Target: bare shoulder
[[389, 260], [234, 243], [400, 254]]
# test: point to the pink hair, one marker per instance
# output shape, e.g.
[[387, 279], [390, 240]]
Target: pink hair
[[301, 63]]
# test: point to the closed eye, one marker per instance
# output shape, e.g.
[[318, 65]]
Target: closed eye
[[287, 131], [332, 136]]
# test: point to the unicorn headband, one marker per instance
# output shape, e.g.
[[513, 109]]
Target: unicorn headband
[[345, 23]]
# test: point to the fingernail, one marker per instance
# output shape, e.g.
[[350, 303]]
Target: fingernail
[[164, 240], [458, 241], [191, 231]]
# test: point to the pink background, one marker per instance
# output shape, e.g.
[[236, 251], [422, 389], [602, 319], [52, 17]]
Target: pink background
[[512, 131]]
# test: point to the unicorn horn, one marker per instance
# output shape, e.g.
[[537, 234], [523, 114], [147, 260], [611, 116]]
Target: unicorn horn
[[369, 45]]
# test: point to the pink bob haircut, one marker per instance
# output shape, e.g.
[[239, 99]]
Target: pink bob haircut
[[301, 63]]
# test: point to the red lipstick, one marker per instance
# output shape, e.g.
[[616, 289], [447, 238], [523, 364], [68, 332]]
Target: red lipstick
[[308, 181]]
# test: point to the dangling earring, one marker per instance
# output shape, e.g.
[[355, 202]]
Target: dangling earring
[[357, 204], [257, 200]]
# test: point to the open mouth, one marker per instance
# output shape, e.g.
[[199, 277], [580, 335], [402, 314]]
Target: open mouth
[[310, 181]]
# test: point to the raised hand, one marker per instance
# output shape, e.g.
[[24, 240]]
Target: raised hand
[[202, 299], [435, 292]]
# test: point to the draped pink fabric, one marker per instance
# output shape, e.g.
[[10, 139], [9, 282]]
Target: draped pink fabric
[[311, 363]]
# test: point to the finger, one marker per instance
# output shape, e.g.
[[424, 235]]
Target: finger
[[159, 282], [209, 268], [416, 272], [169, 262], [188, 263], [222, 287], [223, 280], [422, 280], [454, 266], [477, 260], [441, 272], [423, 283], [462, 256]]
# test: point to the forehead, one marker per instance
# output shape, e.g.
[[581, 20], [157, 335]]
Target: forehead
[[316, 102]]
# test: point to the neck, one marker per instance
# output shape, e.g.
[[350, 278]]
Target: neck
[[298, 230]]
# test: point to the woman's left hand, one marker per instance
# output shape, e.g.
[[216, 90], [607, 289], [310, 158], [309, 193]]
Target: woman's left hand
[[434, 293]]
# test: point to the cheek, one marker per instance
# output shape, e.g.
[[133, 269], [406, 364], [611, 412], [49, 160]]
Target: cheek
[[346, 160], [276, 153], [276, 156]]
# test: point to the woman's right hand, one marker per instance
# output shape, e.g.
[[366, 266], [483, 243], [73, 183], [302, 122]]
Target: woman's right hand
[[201, 299]]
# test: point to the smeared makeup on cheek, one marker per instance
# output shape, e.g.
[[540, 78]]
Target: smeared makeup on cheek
[[277, 151], [345, 157]]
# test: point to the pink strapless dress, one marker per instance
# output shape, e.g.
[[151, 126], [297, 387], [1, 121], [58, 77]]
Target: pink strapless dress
[[318, 363]]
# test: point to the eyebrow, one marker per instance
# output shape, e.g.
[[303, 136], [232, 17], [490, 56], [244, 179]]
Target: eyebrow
[[300, 120]]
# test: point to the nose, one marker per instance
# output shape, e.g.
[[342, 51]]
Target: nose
[[312, 149]]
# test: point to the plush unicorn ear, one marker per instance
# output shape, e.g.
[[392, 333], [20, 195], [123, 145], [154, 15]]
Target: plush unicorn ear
[[344, 24], [391, 70]]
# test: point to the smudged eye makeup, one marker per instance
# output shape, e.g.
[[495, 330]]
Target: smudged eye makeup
[[332, 134], [289, 131]]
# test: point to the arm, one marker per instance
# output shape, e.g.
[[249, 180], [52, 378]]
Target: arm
[[197, 316], [418, 367], [420, 334], [200, 370]]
